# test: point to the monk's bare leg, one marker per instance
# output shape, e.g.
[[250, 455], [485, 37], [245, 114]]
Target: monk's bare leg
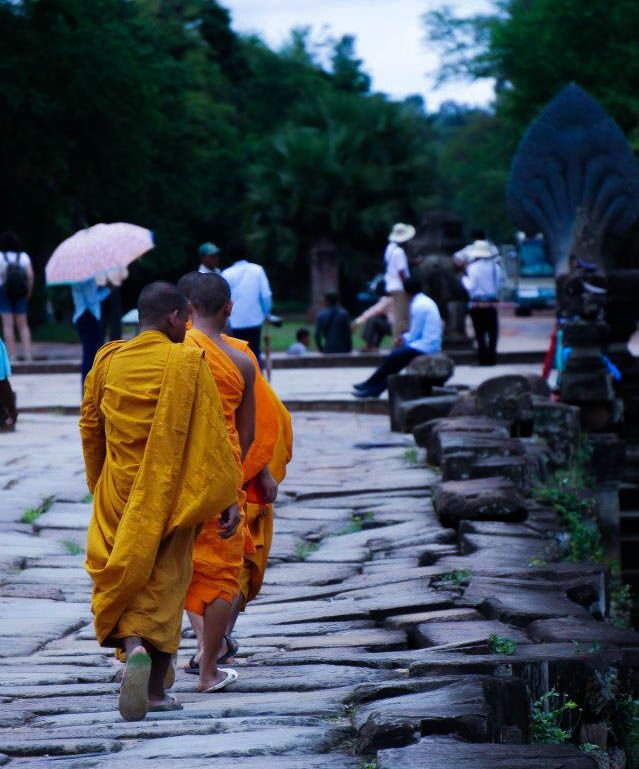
[[197, 625], [216, 617], [160, 662]]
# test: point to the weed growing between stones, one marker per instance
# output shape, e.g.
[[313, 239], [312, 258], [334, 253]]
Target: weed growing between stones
[[351, 528], [32, 513], [620, 599], [369, 763], [452, 580], [411, 456], [552, 716], [304, 549], [88, 499], [501, 644], [72, 547]]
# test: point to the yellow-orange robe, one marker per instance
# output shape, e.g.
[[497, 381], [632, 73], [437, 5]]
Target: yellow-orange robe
[[159, 464], [217, 562]]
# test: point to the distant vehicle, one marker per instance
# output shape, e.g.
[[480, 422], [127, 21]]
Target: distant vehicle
[[534, 277]]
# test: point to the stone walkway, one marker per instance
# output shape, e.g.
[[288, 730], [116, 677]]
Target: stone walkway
[[371, 632]]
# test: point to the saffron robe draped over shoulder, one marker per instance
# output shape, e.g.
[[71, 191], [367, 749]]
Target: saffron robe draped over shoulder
[[217, 562], [159, 464]]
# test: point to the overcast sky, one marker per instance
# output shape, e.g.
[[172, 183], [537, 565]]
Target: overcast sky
[[390, 39]]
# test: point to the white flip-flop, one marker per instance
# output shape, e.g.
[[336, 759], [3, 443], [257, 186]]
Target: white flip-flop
[[230, 678]]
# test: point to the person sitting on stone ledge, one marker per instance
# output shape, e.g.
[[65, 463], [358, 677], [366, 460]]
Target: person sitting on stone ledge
[[423, 337], [8, 412]]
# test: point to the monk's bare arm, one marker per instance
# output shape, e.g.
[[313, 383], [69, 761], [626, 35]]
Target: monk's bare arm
[[245, 413], [93, 436]]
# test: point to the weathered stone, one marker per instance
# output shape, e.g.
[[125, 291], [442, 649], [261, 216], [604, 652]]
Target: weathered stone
[[558, 424], [474, 445], [506, 397], [447, 753], [466, 406], [581, 630], [474, 707], [413, 412], [539, 386], [607, 458], [490, 499], [436, 368], [403, 388], [464, 633], [425, 434]]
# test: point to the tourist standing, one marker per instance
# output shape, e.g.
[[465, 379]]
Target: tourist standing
[[16, 287], [333, 327], [424, 337], [87, 318], [396, 272], [209, 258], [483, 279], [251, 296]]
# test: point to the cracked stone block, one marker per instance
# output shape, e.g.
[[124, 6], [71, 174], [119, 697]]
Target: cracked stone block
[[489, 499], [413, 412], [448, 753]]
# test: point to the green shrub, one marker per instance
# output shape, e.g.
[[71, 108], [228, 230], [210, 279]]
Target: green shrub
[[501, 644], [551, 718]]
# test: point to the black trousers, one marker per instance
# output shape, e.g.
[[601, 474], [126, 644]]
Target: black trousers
[[486, 325], [392, 364], [252, 335], [375, 329], [88, 327]]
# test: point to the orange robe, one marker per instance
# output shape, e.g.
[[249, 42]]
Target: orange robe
[[272, 447], [152, 428], [217, 562]]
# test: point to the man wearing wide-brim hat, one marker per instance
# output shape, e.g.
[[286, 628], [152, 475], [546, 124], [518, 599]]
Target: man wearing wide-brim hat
[[397, 271]]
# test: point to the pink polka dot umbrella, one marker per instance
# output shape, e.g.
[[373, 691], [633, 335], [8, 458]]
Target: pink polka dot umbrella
[[96, 251]]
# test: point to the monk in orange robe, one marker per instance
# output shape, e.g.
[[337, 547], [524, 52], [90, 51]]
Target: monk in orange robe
[[159, 464], [261, 493], [216, 570]]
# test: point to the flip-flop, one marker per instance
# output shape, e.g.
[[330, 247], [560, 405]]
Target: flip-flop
[[164, 707], [134, 690], [232, 648], [230, 678], [192, 667]]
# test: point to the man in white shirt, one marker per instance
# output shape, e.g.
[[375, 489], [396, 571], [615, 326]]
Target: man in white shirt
[[424, 337], [396, 266], [251, 296], [209, 258], [483, 279]]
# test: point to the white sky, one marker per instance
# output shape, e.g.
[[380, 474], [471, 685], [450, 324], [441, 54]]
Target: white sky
[[390, 39]]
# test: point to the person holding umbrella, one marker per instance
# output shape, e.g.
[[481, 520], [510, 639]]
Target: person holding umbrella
[[88, 261]]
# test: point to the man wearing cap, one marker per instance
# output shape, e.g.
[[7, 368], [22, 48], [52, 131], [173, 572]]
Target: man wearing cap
[[396, 273], [209, 258]]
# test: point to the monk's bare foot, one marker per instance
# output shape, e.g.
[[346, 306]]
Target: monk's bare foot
[[134, 690], [164, 704]]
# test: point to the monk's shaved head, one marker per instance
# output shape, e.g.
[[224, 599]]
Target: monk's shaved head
[[208, 292], [157, 301]]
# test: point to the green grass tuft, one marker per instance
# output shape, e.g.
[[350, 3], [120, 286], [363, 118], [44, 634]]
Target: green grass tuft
[[72, 547], [501, 644], [33, 513]]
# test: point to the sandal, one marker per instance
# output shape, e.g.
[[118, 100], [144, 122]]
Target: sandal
[[164, 707], [232, 647], [230, 678]]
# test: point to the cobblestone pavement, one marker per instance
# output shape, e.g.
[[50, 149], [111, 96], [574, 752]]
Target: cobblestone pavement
[[58, 688]]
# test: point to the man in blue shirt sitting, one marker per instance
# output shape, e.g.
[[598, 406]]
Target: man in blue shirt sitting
[[424, 337]]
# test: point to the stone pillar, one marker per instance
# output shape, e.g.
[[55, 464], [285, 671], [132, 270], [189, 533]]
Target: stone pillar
[[324, 273]]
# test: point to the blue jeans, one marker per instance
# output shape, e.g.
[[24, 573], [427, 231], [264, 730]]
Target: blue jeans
[[392, 364]]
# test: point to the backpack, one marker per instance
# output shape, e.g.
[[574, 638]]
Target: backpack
[[16, 282]]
